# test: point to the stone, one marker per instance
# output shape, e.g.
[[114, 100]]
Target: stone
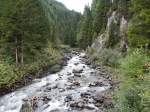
[[60, 85], [76, 63], [76, 83], [54, 86], [70, 87], [77, 104], [86, 95], [78, 70], [83, 55], [96, 83], [69, 74], [77, 74], [46, 99], [92, 72], [68, 98], [37, 80], [26, 107], [61, 90], [49, 88], [108, 103], [89, 107], [99, 98]]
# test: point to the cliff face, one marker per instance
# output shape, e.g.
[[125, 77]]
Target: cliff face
[[115, 34]]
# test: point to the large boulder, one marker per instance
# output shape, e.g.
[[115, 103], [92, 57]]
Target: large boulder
[[26, 107], [78, 70]]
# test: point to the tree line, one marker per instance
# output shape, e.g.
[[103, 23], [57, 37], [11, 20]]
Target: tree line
[[94, 20], [27, 25], [31, 34]]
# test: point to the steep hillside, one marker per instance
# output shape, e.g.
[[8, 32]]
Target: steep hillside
[[117, 36], [115, 33], [63, 22], [31, 33]]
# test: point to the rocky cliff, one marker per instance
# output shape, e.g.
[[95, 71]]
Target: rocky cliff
[[115, 34]]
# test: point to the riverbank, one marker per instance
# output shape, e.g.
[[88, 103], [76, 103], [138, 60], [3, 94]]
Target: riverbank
[[14, 77], [78, 87], [28, 74], [130, 74]]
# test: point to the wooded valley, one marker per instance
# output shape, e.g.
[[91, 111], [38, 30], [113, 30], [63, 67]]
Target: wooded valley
[[38, 36]]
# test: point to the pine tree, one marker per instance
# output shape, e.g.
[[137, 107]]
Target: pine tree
[[139, 34], [99, 14], [24, 29], [85, 34]]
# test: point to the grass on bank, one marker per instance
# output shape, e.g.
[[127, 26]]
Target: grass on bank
[[133, 94], [50, 58]]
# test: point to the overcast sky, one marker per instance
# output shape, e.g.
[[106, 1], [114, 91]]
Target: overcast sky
[[77, 5]]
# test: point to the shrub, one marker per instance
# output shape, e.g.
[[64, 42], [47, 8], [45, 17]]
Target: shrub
[[9, 74], [133, 64], [107, 57], [134, 93], [6, 74]]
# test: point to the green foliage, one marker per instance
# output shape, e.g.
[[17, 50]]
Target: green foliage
[[9, 74], [93, 22], [109, 57], [63, 23], [133, 64], [113, 35], [99, 10], [139, 30], [133, 95], [6, 73], [85, 33], [26, 27]]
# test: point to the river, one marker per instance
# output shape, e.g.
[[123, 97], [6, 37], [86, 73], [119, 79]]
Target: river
[[74, 89]]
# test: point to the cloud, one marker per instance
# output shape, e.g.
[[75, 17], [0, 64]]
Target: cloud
[[77, 5]]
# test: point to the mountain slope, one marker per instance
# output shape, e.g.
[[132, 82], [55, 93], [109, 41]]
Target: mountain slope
[[63, 22]]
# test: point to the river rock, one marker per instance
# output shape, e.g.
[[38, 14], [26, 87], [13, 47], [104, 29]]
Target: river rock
[[37, 80], [108, 103], [77, 74], [71, 79], [98, 97], [70, 87], [69, 74], [76, 83], [56, 110], [68, 98], [85, 95], [74, 52], [83, 55], [92, 72], [62, 90], [81, 104], [78, 70], [54, 86], [46, 99], [96, 83], [89, 107], [78, 104], [76, 63], [26, 107], [61, 84], [48, 88]]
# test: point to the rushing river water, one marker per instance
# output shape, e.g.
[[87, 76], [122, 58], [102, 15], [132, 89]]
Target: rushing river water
[[70, 90]]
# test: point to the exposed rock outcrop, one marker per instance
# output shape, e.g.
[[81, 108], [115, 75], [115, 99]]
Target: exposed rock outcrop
[[115, 31]]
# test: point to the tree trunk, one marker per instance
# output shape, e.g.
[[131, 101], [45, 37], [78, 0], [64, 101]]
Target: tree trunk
[[22, 55], [16, 50]]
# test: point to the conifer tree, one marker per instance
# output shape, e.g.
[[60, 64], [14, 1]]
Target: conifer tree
[[85, 34]]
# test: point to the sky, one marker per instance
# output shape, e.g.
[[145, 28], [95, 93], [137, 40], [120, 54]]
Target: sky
[[77, 5]]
